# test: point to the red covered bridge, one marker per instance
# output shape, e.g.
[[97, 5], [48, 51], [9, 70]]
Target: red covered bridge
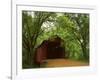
[[50, 49]]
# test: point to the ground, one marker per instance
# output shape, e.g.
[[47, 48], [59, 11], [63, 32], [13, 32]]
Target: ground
[[64, 63]]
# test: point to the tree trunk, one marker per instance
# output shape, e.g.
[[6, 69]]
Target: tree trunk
[[84, 50]]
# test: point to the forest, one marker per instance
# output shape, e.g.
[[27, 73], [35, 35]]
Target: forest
[[72, 28]]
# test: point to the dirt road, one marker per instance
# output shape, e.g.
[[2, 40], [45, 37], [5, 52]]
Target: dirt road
[[64, 63]]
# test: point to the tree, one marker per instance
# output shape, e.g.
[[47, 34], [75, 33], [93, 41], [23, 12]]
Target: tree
[[31, 30], [81, 31]]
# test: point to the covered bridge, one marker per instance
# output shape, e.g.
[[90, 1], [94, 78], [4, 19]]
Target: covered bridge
[[50, 49]]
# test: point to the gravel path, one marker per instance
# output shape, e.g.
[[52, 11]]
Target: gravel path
[[64, 63]]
